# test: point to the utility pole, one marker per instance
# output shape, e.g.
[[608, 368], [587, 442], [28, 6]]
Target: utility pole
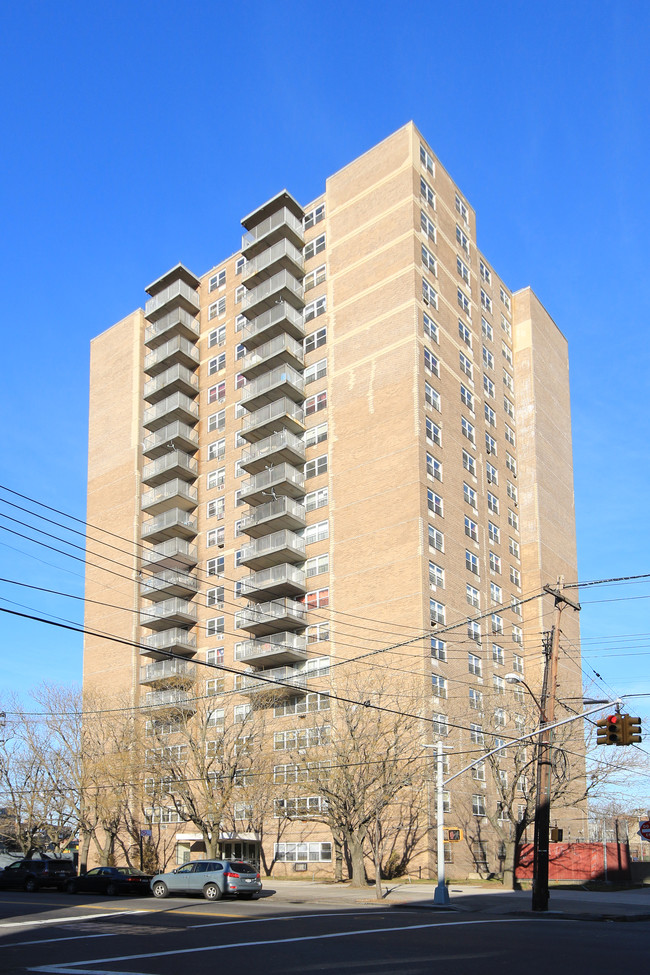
[[546, 717]]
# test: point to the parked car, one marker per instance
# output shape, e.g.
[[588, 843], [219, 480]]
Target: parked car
[[212, 878], [111, 881], [32, 874]]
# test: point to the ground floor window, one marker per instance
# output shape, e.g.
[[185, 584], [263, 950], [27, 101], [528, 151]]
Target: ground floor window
[[296, 852]]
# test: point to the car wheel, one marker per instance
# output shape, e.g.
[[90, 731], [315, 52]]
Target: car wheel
[[160, 889], [111, 890], [31, 885], [212, 892], [71, 887]]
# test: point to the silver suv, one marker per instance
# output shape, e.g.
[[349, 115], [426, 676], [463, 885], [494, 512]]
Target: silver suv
[[212, 878]]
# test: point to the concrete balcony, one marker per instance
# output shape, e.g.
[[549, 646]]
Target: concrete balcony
[[271, 386], [177, 351], [260, 619], [282, 224], [273, 549], [279, 648], [281, 256], [289, 683], [176, 322], [283, 349], [276, 449], [283, 479], [279, 580], [174, 436], [168, 672], [171, 700], [173, 554], [282, 319], [176, 379], [169, 612], [169, 583], [171, 524], [171, 494], [178, 294], [280, 415], [178, 406], [175, 640], [283, 286], [274, 516], [174, 464]]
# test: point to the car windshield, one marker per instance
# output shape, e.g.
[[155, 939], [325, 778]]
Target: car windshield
[[128, 872], [240, 867]]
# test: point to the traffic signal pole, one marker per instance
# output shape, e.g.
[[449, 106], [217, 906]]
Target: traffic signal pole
[[541, 834], [441, 894]]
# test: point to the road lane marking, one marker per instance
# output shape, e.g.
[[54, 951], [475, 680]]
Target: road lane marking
[[61, 920], [72, 968], [48, 941]]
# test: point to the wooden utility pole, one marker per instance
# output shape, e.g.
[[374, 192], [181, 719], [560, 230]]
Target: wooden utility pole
[[546, 717]]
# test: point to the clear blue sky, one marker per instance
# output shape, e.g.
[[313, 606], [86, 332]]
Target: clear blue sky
[[138, 134]]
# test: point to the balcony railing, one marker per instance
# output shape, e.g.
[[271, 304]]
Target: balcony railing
[[176, 350], [174, 436], [280, 415], [160, 615], [274, 516], [175, 379], [282, 348], [174, 464], [178, 406], [267, 550], [284, 479], [281, 446], [280, 224], [282, 255], [171, 524], [177, 293], [170, 554], [174, 639], [281, 319], [176, 322], [263, 618], [169, 583], [281, 287], [279, 580], [173, 699], [279, 647], [171, 494], [270, 386], [288, 683], [163, 670]]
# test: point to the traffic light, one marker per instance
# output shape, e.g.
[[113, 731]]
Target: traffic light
[[557, 835], [454, 835], [609, 730], [631, 730]]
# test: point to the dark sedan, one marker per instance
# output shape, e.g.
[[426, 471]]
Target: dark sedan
[[111, 881]]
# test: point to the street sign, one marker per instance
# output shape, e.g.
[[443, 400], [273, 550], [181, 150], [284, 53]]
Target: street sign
[[644, 829], [146, 832]]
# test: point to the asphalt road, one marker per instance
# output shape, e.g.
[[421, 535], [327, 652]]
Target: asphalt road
[[63, 934]]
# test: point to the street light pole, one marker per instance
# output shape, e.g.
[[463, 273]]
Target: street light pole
[[441, 894]]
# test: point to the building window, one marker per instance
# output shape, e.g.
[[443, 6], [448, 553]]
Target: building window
[[434, 503], [485, 272], [429, 260], [487, 330], [500, 717], [427, 227], [217, 309], [496, 593], [488, 386], [434, 468], [467, 430], [430, 327], [429, 294], [217, 394], [216, 479], [217, 421], [462, 209], [462, 269], [476, 736], [466, 367], [317, 532], [486, 301], [490, 416], [217, 280], [506, 326], [464, 333], [438, 649], [515, 576], [513, 547], [498, 684], [473, 596], [504, 298], [316, 371], [469, 495], [478, 772], [440, 725], [495, 562], [215, 536], [438, 686], [317, 565], [471, 561], [469, 463], [318, 633], [431, 396], [463, 301], [430, 362], [436, 576], [517, 634], [471, 529], [511, 463], [490, 442], [426, 160], [497, 623], [498, 656], [215, 567], [315, 435], [315, 340], [215, 508], [317, 599], [215, 687], [436, 539], [240, 264], [215, 626], [314, 216], [433, 432], [466, 397], [491, 474], [462, 239], [512, 492], [507, 354], [493, 503], [217, 336], [217, 449], [315, 308], [509, 407], [513, 519], [508, 381], [315, 277], [315, 403], [316, 499], [488, 358], [317, 466], [475, 699], [315, 246], [427, 193], [474, 665], [436, 611], [215, 597]]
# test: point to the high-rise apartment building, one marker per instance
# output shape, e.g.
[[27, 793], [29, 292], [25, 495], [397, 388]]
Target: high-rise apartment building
[[350, 439]]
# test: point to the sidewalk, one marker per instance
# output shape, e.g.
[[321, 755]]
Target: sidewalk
[[621, 905]]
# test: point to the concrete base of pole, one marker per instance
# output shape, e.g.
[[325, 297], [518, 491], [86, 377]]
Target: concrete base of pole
[[441, 896]]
